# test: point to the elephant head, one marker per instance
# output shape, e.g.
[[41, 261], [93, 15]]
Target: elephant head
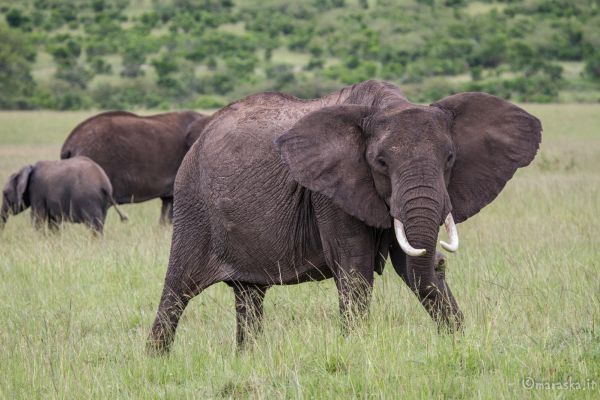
[[15, 198], [414, 168]]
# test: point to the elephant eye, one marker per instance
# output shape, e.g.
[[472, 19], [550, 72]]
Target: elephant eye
[[449, 158], [381, 162]]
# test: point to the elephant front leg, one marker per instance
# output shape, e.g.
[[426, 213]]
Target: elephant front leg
[[249, 310], [350, 249], [39, 218], [355, 286]]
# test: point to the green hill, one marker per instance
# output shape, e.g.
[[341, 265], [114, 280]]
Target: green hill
[[62, 54]]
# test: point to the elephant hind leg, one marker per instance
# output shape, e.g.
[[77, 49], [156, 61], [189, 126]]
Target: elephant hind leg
[[176, 295], [191, 269], [96, 225], [54, 224], [249, 310], [39, 217], [93, 218], [172, 304], [166, 210]]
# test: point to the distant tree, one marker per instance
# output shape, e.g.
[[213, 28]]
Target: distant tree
[[100, 66], [280, 75], [242, 67], [76, 75], [66, 53], [16, 83], [16, 18], [476, 73], [133, 59], [521, 55], [166, 66], [592, 65], [315, 63]]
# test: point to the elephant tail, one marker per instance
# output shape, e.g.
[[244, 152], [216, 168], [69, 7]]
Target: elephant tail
[[122, 215], [64, 154]]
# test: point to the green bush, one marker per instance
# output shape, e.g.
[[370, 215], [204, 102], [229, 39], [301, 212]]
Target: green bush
[[351, 73], [77, 76], [17, 19], [135, 94], [592, 65], [435, 89], [206, 103], [100, 66], [17, 86], [280, 76]]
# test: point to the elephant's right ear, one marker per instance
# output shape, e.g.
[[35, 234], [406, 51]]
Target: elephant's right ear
[[325, 152]]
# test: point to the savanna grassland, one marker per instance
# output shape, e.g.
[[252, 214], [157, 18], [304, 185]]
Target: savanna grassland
[[75, 311]]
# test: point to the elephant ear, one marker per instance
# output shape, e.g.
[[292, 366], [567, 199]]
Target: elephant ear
[[19, 183], [493, 138], [325, 152]]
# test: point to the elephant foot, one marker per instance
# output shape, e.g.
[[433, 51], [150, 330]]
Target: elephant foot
[[159, 342]]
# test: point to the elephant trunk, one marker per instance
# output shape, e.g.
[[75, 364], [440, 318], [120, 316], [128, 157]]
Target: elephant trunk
[[421, 207], [3, 214]]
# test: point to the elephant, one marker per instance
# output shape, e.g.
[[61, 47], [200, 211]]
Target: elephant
[[278, 190], [140, 155], [74, 190]]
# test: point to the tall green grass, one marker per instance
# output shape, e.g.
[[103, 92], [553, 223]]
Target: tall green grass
[[75, 311]]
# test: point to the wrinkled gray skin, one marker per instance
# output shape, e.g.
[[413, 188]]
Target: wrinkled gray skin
[[279, 190], [140, 155], [74, 190]]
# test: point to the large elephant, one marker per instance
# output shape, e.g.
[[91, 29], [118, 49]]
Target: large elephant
[[279, 190], [74, 190], [140, 155]]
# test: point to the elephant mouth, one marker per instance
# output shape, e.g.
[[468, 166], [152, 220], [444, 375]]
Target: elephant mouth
[[405, 245]]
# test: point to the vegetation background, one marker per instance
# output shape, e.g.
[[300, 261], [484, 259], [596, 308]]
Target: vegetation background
[[66, 55]]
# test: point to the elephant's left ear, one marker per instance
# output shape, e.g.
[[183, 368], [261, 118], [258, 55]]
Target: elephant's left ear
[[325, 152], [493, 138], [19, 183]]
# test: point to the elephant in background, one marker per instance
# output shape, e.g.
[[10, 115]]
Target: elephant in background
[[279, 190], [140, 154], [74, 190]]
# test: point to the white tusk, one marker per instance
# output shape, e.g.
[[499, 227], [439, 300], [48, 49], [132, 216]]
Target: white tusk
[[403, 241], [452, 234]]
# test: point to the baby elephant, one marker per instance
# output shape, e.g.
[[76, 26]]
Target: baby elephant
[[75, 190]]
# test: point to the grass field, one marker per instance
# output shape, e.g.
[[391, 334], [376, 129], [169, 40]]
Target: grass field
[[75, 311]]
